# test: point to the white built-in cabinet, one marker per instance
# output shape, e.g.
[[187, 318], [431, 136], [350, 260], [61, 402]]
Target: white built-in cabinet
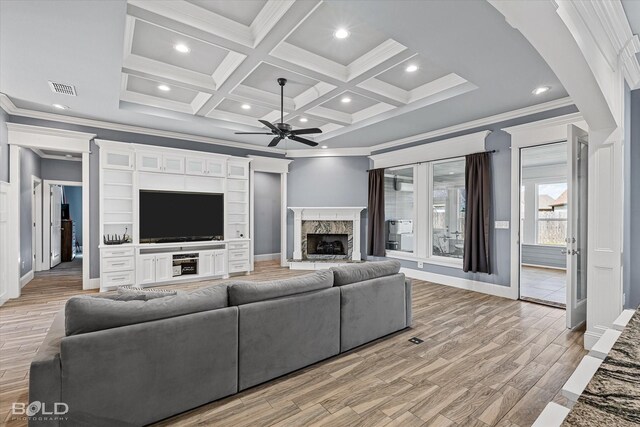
[[125, 169]]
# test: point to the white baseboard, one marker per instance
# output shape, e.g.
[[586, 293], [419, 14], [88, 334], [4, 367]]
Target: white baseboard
[[544, 266], [590, 338], [26, 278], [266, 257], [94, 283], [457, 282]]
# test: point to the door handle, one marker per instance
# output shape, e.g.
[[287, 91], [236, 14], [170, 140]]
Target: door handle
[[563, 251], [575, 252]]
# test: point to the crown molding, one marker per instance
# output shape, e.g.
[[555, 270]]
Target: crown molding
[[329, 152], [538, 108], [7, 105]]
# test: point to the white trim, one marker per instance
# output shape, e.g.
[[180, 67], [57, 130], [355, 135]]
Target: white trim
[[252, 211], [36, 227], [6, 226], [538, 108], [86, 226], [26, 278], [9, 107], [269, 164], [456, 282], [329, 152], [267, 257], [46, 209], [13, 262], [283, 219], [434, 260], [93, 283], [451, 147], [49, 138]]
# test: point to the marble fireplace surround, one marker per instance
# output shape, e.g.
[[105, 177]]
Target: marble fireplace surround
[[322, 220]]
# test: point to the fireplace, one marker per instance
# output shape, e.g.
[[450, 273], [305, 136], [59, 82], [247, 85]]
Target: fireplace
[[329, 234], [327, 244]]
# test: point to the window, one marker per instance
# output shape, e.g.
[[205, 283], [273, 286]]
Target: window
[[448, 204], [399, 202], [551, 215]]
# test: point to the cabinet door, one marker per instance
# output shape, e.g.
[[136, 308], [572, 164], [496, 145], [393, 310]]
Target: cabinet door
[[220, 263], [146, 270], [238, 170], [164, 267], [206, 263], [150, 162], [195, 166], [172, 163], [113, 159], [215, 167]]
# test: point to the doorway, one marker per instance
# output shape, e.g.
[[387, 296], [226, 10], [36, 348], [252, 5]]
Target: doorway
[[552, 226], [267, 216]]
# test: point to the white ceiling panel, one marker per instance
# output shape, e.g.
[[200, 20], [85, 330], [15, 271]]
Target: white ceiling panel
[[358, 103], [264, 77], [399, 77], [150, 87], [157, 43], [315, 35], [242, 11], [232, 106]]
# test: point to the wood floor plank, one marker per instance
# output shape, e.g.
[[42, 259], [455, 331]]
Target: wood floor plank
[[485, 361]]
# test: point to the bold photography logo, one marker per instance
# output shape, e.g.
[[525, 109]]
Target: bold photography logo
[[39, 409]]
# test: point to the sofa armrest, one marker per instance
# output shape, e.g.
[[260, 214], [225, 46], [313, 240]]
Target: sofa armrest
[[408, 289], [45, 381]]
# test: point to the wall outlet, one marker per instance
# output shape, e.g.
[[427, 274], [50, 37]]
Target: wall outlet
[[420, 264], [502, 225]]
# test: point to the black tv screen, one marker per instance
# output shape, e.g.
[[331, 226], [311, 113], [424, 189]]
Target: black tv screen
[[179, 216]]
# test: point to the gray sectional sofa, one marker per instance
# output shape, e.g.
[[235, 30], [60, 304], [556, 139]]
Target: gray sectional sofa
[[134, 361]]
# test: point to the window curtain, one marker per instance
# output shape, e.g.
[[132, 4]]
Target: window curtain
[[375, 208], [477, 215]]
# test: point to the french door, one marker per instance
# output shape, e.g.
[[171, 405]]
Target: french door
[[576, 250]]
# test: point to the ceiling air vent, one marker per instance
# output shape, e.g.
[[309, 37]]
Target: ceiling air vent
[[62, 88]]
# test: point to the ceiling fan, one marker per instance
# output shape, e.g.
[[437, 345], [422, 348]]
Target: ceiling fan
[[284, 130]]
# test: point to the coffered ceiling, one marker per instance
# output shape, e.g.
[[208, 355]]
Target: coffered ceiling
[[209, 67]]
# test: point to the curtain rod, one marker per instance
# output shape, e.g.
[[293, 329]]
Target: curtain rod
[[436, 160]]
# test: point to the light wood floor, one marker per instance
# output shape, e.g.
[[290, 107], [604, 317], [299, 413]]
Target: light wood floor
[[484, 361]]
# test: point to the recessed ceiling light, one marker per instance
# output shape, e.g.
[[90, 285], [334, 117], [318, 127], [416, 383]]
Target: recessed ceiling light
[[341, 33], [540, 90], [61, 107], [245, 106], [324, 146], [182, 48], [68, 156], [304, 119], [164, 88], [411, 68], [345, 100]]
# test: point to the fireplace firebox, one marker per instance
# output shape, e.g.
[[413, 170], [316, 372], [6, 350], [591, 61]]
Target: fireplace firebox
[[327, 244]]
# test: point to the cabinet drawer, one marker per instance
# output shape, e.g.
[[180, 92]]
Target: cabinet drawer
[[238, 245], [239, 255], [117, 264], [236, 266], [117, 279], [116, 252]]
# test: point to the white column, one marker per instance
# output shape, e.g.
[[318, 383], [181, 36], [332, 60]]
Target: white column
[[356, 255], [283, 219], [297, 234]]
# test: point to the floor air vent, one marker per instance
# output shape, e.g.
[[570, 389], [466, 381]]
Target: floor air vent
[[62, 88]]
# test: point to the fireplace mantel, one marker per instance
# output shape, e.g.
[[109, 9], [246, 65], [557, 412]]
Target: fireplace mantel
[[326, 214]]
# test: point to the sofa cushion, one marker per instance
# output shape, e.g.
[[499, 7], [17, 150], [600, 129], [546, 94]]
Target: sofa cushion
[[366, 271], [248, 292], [131, 292], [89, 313]]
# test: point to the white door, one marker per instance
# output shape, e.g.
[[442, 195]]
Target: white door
[[206, 263], [576, 252], [150, 162], [164, 268], [172, 164], [215, 167], [56, 224], [220, 264], [195, 166], [146, 270]]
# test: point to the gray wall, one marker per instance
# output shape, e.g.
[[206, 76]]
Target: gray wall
[[545, 256], [632, 224], [29, 166], [94, 165], [330, 182], [4, 147], [267, 213], [61, 170], [73, 196], [501, 168]]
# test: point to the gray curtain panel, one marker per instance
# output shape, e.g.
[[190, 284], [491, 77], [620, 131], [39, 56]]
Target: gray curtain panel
[[478, 210], [375, 232]]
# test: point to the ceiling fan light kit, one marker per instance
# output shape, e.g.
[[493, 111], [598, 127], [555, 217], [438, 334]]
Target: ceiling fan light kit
[[284, 130]]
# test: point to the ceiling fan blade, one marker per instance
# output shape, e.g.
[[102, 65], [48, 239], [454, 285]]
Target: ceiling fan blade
[[269, 125], [305, 131], [303, 140], [254, 133], [275, 141]]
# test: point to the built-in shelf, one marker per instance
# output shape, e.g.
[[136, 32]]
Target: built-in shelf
[[118, 223]]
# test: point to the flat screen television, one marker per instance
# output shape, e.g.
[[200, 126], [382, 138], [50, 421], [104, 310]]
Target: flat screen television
[[167, 216]]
